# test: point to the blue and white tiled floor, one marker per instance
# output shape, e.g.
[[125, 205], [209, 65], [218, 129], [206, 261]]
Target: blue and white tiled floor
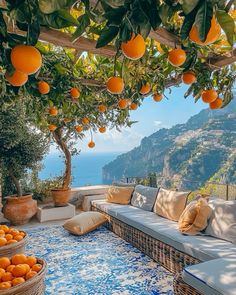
[[97, 263]]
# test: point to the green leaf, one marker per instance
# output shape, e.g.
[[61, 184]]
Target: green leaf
[[227, 24], [115, 15], [203, 19], [187, 25], [84, 22], [189, 6], [50, 6], [65, 14], [107, 35], [3, 26], [33, 33], [165, 12]]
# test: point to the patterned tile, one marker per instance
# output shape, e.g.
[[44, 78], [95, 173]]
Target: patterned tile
[[99, 263]]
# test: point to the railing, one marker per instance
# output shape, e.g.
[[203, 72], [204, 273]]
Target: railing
[[225, 190]]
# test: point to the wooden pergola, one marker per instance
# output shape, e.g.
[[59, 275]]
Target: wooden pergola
[[84, 44]]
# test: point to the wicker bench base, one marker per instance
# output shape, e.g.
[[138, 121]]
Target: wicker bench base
[[167, 256]]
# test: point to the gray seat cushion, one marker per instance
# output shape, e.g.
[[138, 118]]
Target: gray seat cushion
[[213, 277], [144, 197], [86, 205], [201, 247]]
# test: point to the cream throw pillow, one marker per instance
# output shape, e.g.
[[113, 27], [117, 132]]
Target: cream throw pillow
[[195, 217], [170, 204], [119, 195], [84, 222]]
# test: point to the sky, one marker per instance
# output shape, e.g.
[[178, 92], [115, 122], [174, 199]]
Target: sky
[[151, 117]]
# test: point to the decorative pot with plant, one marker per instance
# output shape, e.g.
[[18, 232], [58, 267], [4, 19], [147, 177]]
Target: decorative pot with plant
[[21, 148]]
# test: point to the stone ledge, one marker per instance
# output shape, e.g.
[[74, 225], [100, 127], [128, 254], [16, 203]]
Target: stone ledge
[[49, 212]]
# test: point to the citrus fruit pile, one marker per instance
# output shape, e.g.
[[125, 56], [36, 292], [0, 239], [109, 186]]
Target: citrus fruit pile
[[10, 235], [17, 269]]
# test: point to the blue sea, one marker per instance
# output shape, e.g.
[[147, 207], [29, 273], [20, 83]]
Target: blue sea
[[86, 167]]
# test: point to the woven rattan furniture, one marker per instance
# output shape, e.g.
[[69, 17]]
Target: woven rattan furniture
[[15, 248], [169, 257]]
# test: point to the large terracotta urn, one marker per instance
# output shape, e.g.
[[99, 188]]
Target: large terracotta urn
[[61, 196], [19, 210]]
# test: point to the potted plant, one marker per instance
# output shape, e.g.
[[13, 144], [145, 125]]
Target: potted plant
[[21, 147]]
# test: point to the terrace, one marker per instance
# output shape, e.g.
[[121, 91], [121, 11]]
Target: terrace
[[70, 69]]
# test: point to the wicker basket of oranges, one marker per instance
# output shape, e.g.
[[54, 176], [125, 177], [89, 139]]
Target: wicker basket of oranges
[[12, 241], [22, 275]]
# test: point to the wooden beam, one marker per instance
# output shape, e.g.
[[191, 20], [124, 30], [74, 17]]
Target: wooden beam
[[164, 37], [221, 61]]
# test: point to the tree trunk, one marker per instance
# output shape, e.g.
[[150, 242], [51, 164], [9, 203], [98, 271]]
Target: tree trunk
[[16, 183], [57, 135]]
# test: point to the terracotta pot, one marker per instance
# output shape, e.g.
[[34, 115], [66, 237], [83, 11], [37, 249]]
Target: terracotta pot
[[19, 210], [60, 197]]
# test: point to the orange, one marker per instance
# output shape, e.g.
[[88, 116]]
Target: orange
[[26, 59], [11, 242], [91, 145], [102, 108], [216, 104], [2, 232], [134, 48], [74, 93], [79, 128], [85, 121], [53, 111], [2, 271], [10, 268], [7, 276], [177, 57], [4, 262], [30, 274], [145, 89], [43, 87], [19, 270], [212, 35], [52, 127], [123, 103], [13, 231], [26, 266], [18, 259], [133, 106], [5, 228], [18, 238], [189, 77], [31, 260], [3, 241], [17, 281], [115, 85], [17, 79], [37, 267], [209, 96], [157, 97], [22, 233], [5, 285], [8, 237], [102, 129]]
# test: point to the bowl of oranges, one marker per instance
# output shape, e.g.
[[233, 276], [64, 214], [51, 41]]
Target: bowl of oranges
[[12, 241], [22, 275]]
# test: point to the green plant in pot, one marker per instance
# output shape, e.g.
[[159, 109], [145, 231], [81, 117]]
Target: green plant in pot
[[21, 147]]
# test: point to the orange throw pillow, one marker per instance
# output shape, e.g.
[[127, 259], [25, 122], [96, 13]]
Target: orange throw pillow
[[195, 217], [119, 195]]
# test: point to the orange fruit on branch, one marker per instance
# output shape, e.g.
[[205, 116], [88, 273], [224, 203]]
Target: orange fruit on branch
[[212, 35], [133, 106], [177, 57], [123, 103], [17, 281], [5, 285], [26, 59], [216, 104], [102, 129], [102, 108], [189, 77], [79, 128], [74, 92], [53, 111], [85, 120], [157, 97], [145, 89], [43, 87], [4, 262], [115, 85], [17, 79], [52, 127], [134, 48], [209, 95], [91, 145]]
